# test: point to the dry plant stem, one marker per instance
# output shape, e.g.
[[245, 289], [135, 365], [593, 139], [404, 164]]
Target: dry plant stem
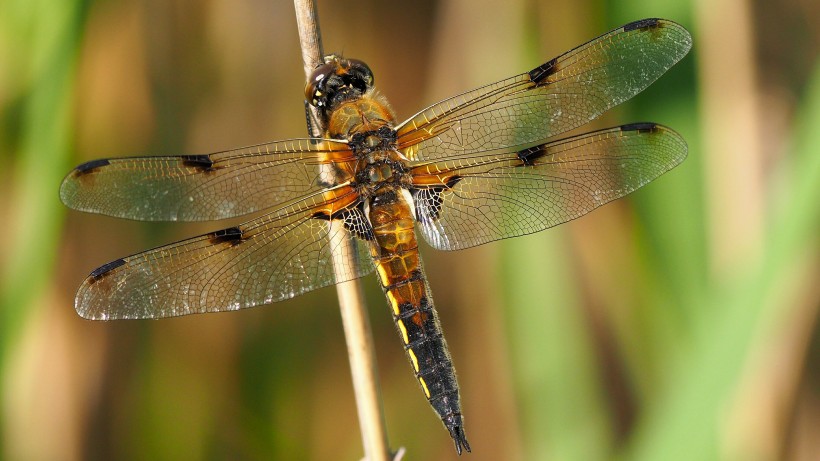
[[358, 336]]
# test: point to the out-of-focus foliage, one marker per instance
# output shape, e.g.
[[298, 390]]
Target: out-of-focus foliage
[[680, 323]]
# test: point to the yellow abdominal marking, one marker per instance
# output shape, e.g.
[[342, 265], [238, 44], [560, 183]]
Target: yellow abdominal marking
[[393, 302], [413, 359], [383, 275], [403, 331], [424, 387]]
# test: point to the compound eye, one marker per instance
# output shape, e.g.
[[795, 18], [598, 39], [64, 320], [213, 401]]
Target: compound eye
[[364, 69], [316, 82]]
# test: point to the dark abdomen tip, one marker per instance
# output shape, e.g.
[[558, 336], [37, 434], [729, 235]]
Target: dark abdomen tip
[[455, 425]]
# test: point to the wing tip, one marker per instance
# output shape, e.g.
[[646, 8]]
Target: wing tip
[[70, 186], [86, 314], [658, 129], [653, 24]]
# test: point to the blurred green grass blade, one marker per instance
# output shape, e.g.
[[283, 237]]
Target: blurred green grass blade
[[672, 208], [44, 37], [670, 214], [563, 409], [685, 423], [800, 218]]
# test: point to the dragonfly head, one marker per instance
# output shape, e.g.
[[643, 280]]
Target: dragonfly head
[[336, 81]]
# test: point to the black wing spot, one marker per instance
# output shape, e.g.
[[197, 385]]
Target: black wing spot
[[321, 215], [101, 271], [529, 156], [357, 223], [540, 73], [650, 23], [339, 214], [451, 183], [642, 127], [429, 199], [231, 235], [88, 167], [200, 162]]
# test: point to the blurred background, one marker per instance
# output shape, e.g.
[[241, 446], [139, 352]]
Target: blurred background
[[679, 323]]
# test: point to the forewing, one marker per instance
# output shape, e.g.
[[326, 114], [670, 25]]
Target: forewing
[[272, 258], [551, 99], [506, 194], [201, 187]]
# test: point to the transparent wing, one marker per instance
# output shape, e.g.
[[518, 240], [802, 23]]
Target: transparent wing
[[272, 258], [551, 99], [481, 198], [201, 187]]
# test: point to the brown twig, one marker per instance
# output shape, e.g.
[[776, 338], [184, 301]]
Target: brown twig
[[358, 336]]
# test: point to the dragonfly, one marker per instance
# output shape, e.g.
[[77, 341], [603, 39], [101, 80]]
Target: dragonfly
[[485, 165]]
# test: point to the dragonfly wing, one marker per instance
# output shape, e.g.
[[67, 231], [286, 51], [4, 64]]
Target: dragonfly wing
[[201, 187], [468, 201], [558, 96], [272, 258]]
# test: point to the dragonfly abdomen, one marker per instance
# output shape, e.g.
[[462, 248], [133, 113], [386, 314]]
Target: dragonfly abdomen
[[395, 254]]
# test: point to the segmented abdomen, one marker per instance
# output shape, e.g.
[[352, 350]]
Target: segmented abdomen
[[395, 253]]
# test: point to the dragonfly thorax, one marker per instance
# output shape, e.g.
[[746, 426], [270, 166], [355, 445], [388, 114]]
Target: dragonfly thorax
[[379, 168], [365, 115]]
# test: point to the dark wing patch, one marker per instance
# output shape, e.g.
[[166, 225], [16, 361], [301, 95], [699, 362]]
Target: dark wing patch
[[353, 219], [356, 223], [530, 155], [428, 203], [649, 23], [101, 271], [88, 167], [428, 200], [644, 127], [231, 235], [540, 73], [199, 162]]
